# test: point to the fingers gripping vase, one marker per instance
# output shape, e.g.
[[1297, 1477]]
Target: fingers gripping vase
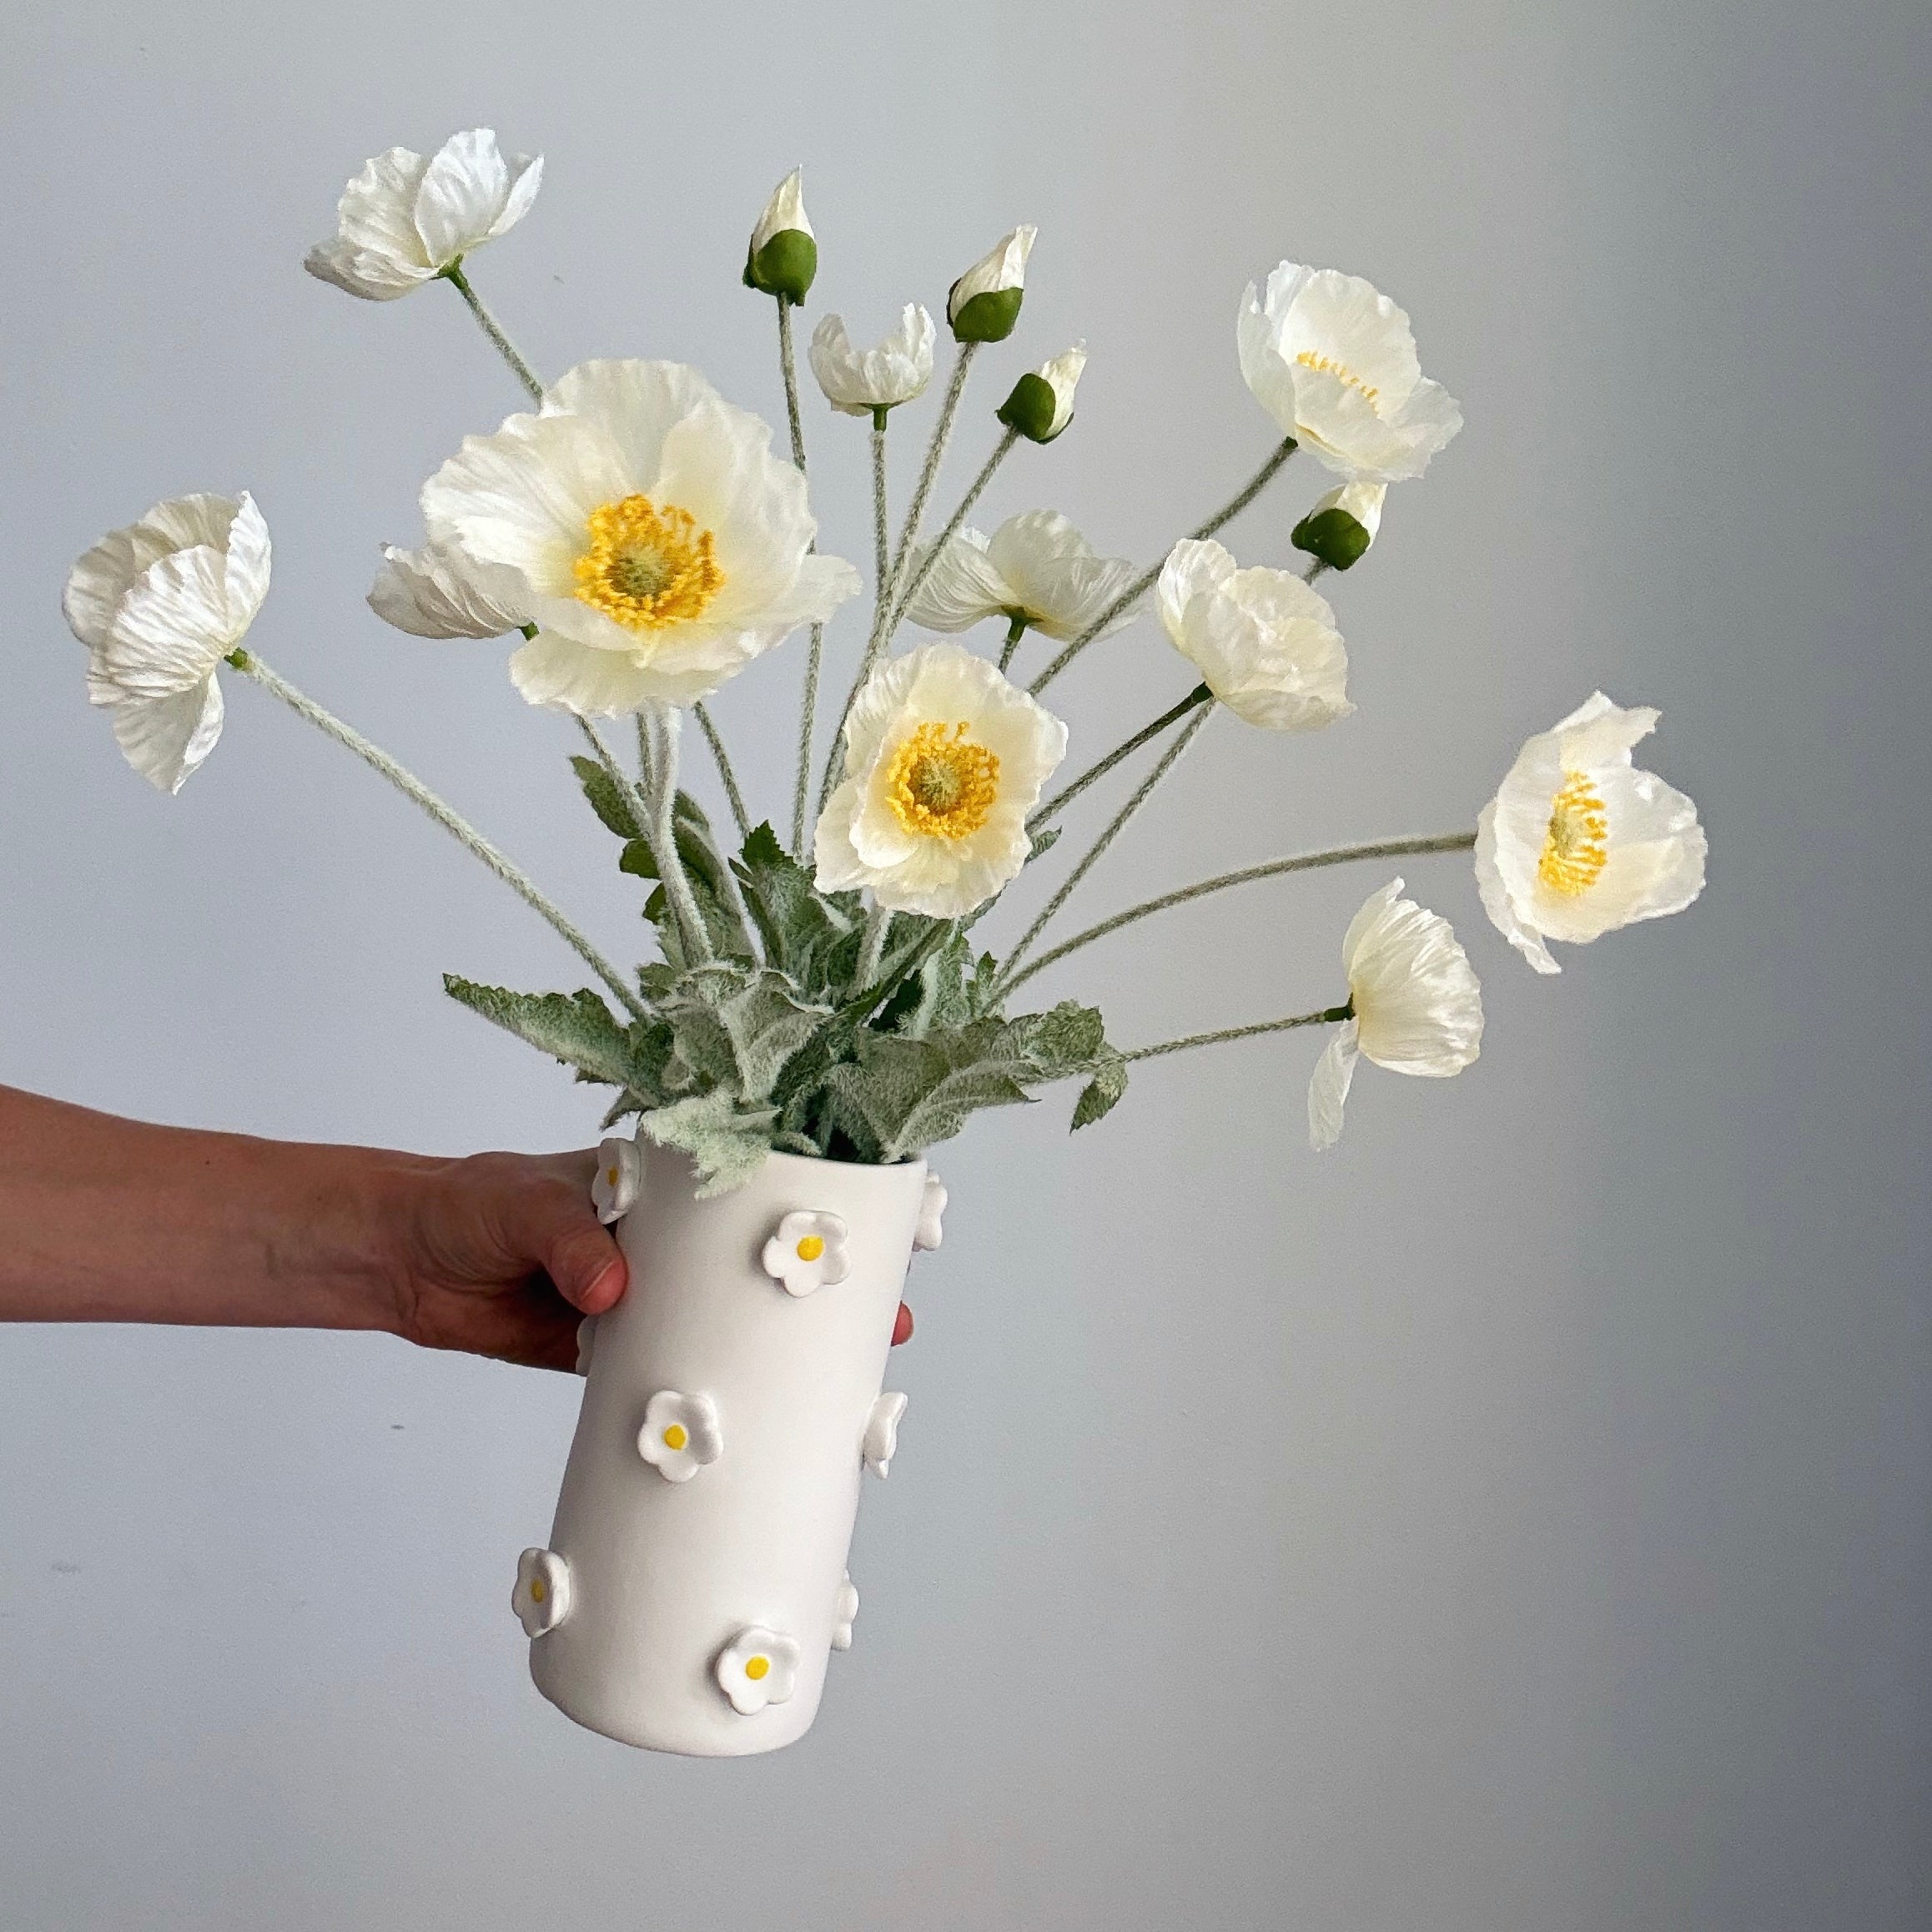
[[696, 1580]]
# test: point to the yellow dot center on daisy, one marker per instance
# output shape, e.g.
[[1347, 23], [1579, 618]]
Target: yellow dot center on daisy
[[1327, 365], [757, 1668], [675, 1436], [611, 1175], [941, 783], [811, 1248], [538, 1589], [1576, 847], [646, 566]]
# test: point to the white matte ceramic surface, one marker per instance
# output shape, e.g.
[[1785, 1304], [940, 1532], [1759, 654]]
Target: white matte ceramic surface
[[664, 1576]]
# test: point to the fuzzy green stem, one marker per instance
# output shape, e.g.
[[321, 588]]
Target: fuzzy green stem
[[1060, 800], [505, 347], [815, 649], [459, 827], [875, 642], [932, 556], [1220, 1033], [1314, 570], [788, 366], [1136, 590], [935, 452], [661, 723], [1183, 739], [872, 946], [1273, 868], [734, 798]]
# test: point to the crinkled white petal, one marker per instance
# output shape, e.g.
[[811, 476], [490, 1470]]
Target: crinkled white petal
[[1194, 566], [1061, 374], [962, 588], [1265, 644], [858, 381], [1056, 577], [465, 196], [1418, 1007], [438, 591], [1328, 1088], [165, 739]]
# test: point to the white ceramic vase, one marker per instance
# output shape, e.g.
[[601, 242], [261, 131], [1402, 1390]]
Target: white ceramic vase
[[696, 1579]]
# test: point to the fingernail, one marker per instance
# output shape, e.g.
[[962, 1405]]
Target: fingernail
[[902, 1325]]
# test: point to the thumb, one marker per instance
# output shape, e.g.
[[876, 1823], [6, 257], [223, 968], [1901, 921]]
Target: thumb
[[559, 1232]]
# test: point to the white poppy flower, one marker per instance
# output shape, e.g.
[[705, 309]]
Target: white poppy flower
[[808, 1252], [858, 381], [844, 1612], [881, 1441], [758, 1666], [984, 304], [943, 760], [620, 1174], [1578, 841], [782, 258], [680, 1434], [1334, 363], [542, 1596], [158, 605], [931, 1229], [657, 543], [1342, 525], [436, 591], [406, 217], [1265, 643], [1035, 566], [1418, 1009], [1041, 404]]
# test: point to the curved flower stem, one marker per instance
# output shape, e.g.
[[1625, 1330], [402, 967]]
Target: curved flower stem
[[660, 723], [1060, 800], [505, 347], [459, 827], [952, 529], [1136, 590], [1182, 741], [733, 797], [882, 605], [1015, 629], [1261, 1026], [1313, 571], [871, 947], [935, 452], [815, 651], [1302, 862]]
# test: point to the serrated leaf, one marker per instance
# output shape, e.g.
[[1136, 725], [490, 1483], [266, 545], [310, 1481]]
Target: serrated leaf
[[576, 1027], [726, 1147], [908, 1094], [1069, 1040], [805, 932], [1102, 1094], [612, 805]]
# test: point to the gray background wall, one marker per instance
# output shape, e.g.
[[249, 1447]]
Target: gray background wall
[[1518, 1518]]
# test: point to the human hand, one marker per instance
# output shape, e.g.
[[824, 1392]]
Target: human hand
[[502, 1255]]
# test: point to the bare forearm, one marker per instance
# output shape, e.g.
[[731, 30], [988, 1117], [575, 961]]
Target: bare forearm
[[107, 1220]]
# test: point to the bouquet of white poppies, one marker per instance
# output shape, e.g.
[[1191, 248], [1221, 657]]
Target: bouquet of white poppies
[[827, 993]]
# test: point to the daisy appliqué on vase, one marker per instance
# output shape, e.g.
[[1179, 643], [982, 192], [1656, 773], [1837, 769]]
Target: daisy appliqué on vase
[[619, 1173], [757, 1667], [681, 1434], [844, 1613], [808, 1252], [881, 1441], [542, 1596]]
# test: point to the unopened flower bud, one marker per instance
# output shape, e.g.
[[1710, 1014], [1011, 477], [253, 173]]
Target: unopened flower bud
[[783, 256], [984, 303], [1042, 403], [1341, 527]]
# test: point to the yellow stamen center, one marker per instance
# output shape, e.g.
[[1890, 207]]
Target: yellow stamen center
[[675, 1436], [757, 1668], [647, 567], [941, 784], [611, 1175], [811, 1248], [538, 1589], [1327, 365], [1576, 847]]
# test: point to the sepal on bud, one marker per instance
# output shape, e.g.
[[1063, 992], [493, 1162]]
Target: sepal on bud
[[984, 304], [784, 255], [1341, 527], [1042, 402]]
